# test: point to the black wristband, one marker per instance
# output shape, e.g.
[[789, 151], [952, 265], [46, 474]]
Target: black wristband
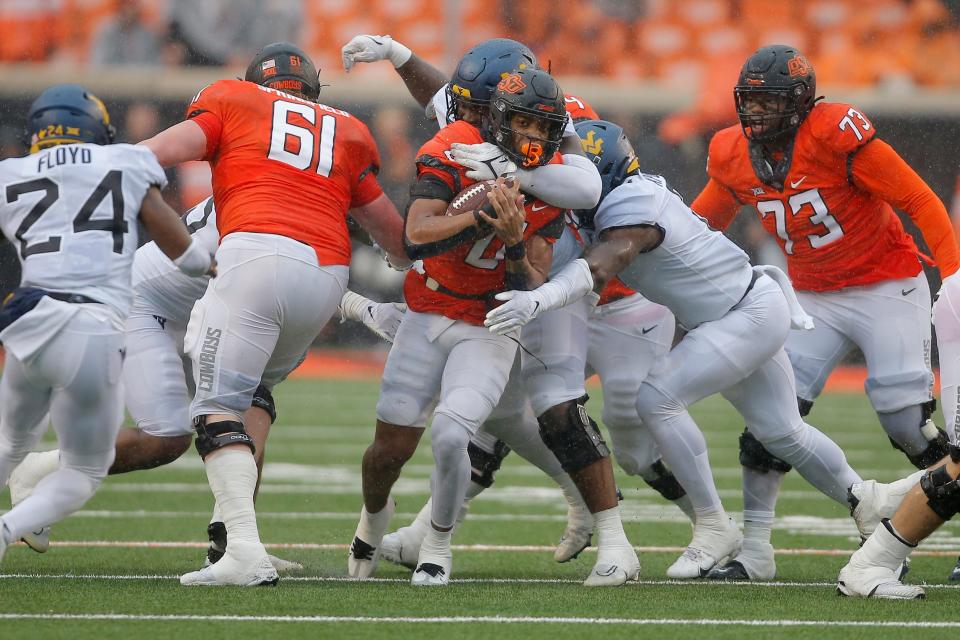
[[517, 251]]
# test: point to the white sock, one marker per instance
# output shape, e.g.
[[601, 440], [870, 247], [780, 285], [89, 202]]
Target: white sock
[[435, 547], [609, 528], [215, 516], [373, 525], [577, 510], [884, 548], [757, 527], [41, 464], [54, 498], [232, 474]]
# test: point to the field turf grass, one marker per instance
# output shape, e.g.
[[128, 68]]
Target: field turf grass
[[308, 509]]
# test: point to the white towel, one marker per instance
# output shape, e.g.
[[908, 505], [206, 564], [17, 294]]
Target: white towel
[[798, 317]]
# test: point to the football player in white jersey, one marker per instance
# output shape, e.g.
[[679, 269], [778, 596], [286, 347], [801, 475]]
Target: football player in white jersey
[[736, 318], [158, 380], [73, 206], [874, 569]]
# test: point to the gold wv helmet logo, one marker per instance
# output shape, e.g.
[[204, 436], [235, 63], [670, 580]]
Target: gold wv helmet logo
[[592, 144]]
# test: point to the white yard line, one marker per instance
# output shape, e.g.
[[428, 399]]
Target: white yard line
[[484, 619], [482, 548]]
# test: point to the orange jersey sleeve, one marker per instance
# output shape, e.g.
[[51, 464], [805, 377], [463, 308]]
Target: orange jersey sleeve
[[286, 166], [834, 233], [717, 205], [461, 282], [879, 169]]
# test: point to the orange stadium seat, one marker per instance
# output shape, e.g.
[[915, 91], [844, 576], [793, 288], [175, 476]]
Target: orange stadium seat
[[31, 29]]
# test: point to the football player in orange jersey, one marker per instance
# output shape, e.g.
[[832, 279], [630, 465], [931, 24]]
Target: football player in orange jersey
[[442, 356], [823, 185], [286, 173]]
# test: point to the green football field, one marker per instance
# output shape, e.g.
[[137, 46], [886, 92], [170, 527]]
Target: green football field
[[114, 567]]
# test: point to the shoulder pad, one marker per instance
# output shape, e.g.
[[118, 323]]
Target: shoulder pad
[[839, 127]]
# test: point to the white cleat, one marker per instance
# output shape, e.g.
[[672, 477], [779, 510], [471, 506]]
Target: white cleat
[[402, 547], [614, 567], [860, 581], [245, 564], [871, 501], [38, 540], [573, 541], [364, 554], [708, 548], [432, 574], [284, 566], [755, 562]]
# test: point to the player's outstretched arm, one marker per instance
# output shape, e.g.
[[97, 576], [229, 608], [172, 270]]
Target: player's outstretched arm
[[878, 169], [423, 80], [384, 223], [180, 143], [717, 205], [575, 184], [171, 235], [582, 277]]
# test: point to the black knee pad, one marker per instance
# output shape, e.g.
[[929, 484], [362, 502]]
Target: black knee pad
[[939, 445], [574, 438], [483, 465], [263, 399], [216, 435], [754, 456], [666, 483], [804, 406], [943, 492]]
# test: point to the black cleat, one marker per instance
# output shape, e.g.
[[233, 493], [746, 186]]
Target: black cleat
[[217, 533], [361, 550], [732, 570], [955, 574]]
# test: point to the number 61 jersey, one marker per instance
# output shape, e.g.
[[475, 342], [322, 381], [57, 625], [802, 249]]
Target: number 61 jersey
[[71, 211], [833, 233], [286, 166]]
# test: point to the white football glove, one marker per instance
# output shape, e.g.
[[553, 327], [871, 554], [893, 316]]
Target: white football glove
[[398, 263], [485, 161], [383, 318], [520, 308], [365, 48]]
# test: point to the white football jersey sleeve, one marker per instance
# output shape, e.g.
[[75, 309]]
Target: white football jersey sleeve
[[72, 210], [696, 272], [159, 286]]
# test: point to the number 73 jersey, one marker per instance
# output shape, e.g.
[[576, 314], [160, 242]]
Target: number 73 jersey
[[833, 233], [71, 212]]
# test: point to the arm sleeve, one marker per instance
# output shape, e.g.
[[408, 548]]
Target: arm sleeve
[[717, 205], [366, 189], [879, 170], [575, 184]]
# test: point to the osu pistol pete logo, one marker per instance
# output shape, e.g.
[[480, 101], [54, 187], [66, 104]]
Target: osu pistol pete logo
[[512, 83], [208, 358]]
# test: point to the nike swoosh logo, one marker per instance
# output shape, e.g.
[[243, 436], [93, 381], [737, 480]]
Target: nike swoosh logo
[[648, 329], [534, 207], [906, 292], [370, 311], [377, 41], [536, 305], [794, 185]]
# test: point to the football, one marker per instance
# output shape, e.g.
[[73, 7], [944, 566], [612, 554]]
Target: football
[[475, 197]]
